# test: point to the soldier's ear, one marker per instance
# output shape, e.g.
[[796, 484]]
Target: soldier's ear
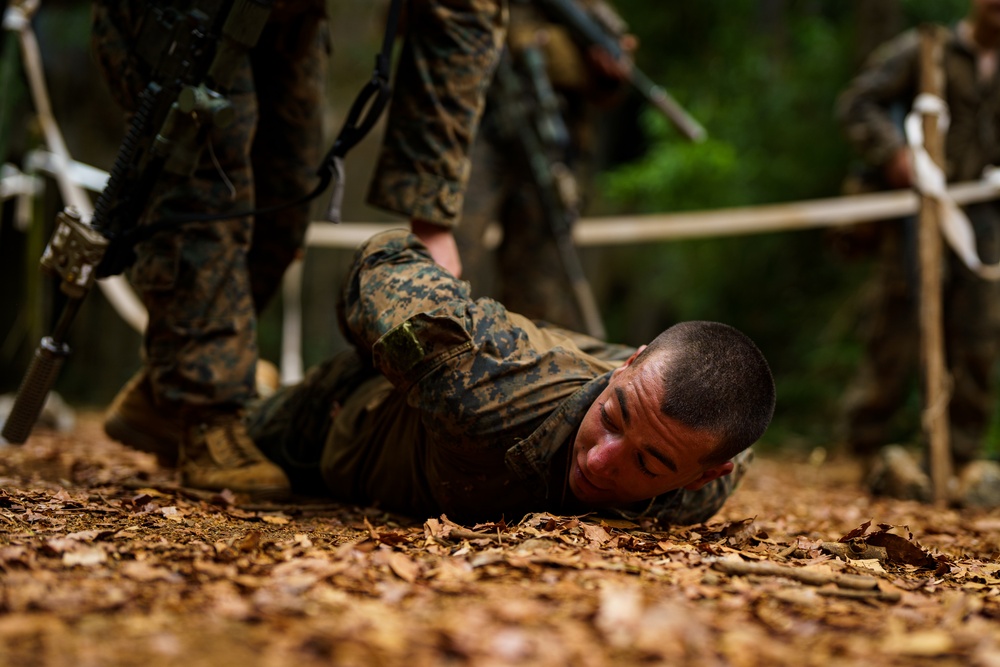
[[713, 473], [628, 362]]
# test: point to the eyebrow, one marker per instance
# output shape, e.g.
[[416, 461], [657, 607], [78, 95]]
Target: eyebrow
[[623, 404], [659, 456], [646, 447]]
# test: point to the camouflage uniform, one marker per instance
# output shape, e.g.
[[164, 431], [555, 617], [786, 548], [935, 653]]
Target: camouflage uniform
[[466, 408], [525, 272], [205, 283], [971, 305]]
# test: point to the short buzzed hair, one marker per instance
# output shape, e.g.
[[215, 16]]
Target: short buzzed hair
[[715, 380]]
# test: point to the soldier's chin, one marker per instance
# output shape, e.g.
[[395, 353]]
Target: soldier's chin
[[585, 490]]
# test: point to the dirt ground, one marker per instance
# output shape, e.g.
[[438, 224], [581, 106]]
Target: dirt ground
[[103, 561]]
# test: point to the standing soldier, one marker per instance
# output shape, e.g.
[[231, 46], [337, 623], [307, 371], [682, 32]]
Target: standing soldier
[[870, 110], [203, 284]]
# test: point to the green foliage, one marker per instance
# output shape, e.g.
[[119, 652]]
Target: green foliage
[[764, 85], [934, 11]]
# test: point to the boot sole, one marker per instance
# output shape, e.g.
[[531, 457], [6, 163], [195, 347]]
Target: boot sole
[[266, 494]]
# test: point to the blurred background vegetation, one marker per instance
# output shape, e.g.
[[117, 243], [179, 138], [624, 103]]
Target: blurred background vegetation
[[762, 76]]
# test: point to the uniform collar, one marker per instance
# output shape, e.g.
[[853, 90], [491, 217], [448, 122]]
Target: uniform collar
[[530, 457]]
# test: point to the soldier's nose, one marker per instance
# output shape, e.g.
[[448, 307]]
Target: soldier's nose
[[603, 459]]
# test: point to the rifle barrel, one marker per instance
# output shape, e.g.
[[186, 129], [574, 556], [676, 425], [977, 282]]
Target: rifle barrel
[[668, 106], [589, 31]]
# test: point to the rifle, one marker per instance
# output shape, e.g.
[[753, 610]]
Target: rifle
[[589, 31], [530, 122], [192, 56]]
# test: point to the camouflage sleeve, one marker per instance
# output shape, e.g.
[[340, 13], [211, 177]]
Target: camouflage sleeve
[[447, 62], [403, 308], [871, 108], [595, 347]]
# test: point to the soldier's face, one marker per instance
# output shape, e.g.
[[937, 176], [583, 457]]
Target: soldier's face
[[627, 450]]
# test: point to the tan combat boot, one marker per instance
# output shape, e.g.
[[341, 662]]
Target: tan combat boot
[[218, 454], [136, 421]]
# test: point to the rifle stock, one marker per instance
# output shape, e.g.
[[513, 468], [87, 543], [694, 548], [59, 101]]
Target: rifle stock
[[590, 32], [193, 53]]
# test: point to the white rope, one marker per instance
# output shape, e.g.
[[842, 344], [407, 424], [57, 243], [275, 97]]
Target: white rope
[[929, 180], [291, 325], [17, 18], [742, 221]]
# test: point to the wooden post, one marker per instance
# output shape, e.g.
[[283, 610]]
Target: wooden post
[[936, 390]]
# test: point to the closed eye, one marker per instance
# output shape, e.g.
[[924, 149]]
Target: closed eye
[[606, 420], [641, 461]]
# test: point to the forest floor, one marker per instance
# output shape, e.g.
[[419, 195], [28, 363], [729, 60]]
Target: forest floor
[[104, 561]]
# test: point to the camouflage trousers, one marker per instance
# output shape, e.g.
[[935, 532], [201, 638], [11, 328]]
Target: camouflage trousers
[[525, 272], [205, 283], [892, 343]]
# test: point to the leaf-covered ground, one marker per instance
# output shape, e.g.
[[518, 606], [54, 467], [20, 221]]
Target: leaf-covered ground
[[104, 561]]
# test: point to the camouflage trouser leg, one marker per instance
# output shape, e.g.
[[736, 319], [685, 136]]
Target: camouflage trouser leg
[[291, 426], [534, 282], [200, 345], [683, 507], [482, 203], [891, 343], [526, 272], [972, 337], [289, 69]]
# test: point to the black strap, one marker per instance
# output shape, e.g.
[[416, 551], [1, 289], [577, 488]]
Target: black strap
[[362, 116], [364, 113]]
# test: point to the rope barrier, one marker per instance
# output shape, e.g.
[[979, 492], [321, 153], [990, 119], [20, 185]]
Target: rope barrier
[[631, 229], [116, 289], [634, 229]]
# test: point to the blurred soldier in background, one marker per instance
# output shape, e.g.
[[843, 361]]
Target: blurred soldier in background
[[204, 284], [530, 164], [871, 111]]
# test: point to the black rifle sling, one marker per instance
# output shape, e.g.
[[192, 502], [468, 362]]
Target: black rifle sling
[[364, 113]]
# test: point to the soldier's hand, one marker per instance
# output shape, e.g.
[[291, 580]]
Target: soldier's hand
[[441, 243]]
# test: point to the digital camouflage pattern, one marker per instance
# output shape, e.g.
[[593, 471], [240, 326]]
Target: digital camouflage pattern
[[465, 408], [870, 110], [204, 284], [447, 61]]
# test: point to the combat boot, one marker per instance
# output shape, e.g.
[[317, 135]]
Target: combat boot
[[135, 420], [217, 453]]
